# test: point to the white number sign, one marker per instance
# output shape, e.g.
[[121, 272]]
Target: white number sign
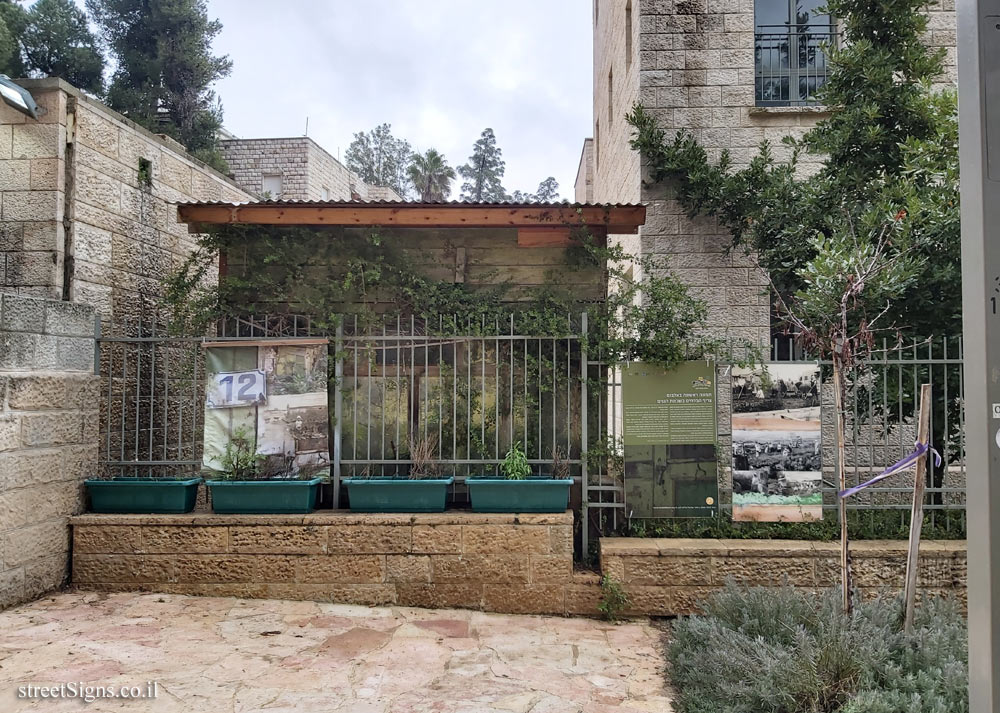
[[236, 388]]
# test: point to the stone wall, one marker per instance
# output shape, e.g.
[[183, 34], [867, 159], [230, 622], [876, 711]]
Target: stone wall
[[86, 204], [504, 563], [669, 576], [48, 438], [583, 187], [308, 172]]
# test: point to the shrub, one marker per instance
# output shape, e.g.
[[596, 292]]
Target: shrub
[[782, 651], [614, 599]]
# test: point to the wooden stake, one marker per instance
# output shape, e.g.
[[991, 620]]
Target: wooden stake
[[917, 512], [845, 556]]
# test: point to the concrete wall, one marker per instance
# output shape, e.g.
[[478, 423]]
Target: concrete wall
[[308, 172], [77, 222], [48, 438]]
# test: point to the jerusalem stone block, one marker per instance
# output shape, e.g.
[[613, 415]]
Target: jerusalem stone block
[[12, 587], [668, 570], [651, 601], [34, 542], [119, 568], [47, 174], [583, 599], [480, 568], [184, 540], [214, 568], [550, 569], [107, 539], [508, 598], [408, 568], [69, 320], [34, 392], [275, 568], [95, 131], [44, 429], [33, 269], [98, 189], [369, 539], [613, 567], [440, 595], [561, 539], [876, 572], [75, 353], [334, 569], [23, 314], [437, 539], [6, 131], [32, 205], [45, 574], [15, 508], [15, 175], [763, 571], [505, 538], [175, 172], [284, 540], [10, 434], [36, 140]]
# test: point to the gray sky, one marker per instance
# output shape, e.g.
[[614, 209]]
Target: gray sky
[[439, 71]]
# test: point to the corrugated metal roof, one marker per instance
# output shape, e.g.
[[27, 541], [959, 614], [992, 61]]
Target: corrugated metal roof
[[407, 204]]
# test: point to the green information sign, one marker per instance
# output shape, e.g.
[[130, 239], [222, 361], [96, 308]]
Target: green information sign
[[669, 424]]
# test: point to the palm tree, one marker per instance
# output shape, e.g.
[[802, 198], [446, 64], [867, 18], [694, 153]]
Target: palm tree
[[431, 176]]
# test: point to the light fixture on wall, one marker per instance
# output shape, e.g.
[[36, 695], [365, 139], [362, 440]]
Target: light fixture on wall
[[17, 97]]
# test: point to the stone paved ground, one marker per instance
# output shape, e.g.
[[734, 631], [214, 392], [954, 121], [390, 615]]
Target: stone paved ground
[[217, 655]]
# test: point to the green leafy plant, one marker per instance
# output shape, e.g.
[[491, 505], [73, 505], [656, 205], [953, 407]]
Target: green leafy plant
[[240, 460], [783, 650], [614, 599], [515, 464]]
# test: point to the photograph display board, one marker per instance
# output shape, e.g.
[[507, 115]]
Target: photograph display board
[[275, 394], [777, 444], [670, 436]]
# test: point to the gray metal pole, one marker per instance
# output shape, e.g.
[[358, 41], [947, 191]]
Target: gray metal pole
[[338, 413], [979, 152]]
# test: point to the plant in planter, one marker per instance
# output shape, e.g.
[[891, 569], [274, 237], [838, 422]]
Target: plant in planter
[[518, 490], [250, 483], [143, 495], [422, 490]]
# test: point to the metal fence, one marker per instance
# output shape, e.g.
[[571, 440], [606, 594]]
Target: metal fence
[[474, 389]]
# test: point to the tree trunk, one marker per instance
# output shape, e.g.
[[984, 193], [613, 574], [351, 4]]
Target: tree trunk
[[845, 556]]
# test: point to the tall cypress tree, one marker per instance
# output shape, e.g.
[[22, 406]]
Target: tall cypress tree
[[13, 19], [165, 68], [483, 173]]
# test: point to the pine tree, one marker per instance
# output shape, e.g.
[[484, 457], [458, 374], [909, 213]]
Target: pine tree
[[380, 159], [483, 173], [548, 191], [13, 18], [57, 42], [165, 68]]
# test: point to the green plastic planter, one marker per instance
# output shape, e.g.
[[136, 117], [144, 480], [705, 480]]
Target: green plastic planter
[[397, 494], [529, 495], [143, 495], [263, 497]]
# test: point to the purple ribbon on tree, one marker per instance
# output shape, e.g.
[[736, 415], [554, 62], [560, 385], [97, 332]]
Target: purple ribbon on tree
[[919, 450]]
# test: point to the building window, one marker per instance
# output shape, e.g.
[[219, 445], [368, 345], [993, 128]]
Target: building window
[[325, 193], [628, 35], [270, 185], [788, 47], [611, 96]]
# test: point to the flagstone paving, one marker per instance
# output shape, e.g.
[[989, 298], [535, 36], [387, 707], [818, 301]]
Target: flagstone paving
[[217, 655]]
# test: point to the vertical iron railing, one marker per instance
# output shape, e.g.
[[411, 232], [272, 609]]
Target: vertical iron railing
[[791, 63]]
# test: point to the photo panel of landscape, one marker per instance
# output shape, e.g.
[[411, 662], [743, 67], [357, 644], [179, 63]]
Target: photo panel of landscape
[[777, 444]]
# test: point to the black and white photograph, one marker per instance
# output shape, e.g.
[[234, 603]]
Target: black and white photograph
[[777, 443]]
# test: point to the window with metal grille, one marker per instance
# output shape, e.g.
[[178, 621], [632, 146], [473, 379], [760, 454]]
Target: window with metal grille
[[790, 41]]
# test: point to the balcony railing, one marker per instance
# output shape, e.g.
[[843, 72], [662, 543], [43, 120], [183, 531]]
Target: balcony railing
[[791, 63]]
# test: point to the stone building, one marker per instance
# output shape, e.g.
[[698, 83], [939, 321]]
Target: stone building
[[87, 199], [719, 69], [295, 168]]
